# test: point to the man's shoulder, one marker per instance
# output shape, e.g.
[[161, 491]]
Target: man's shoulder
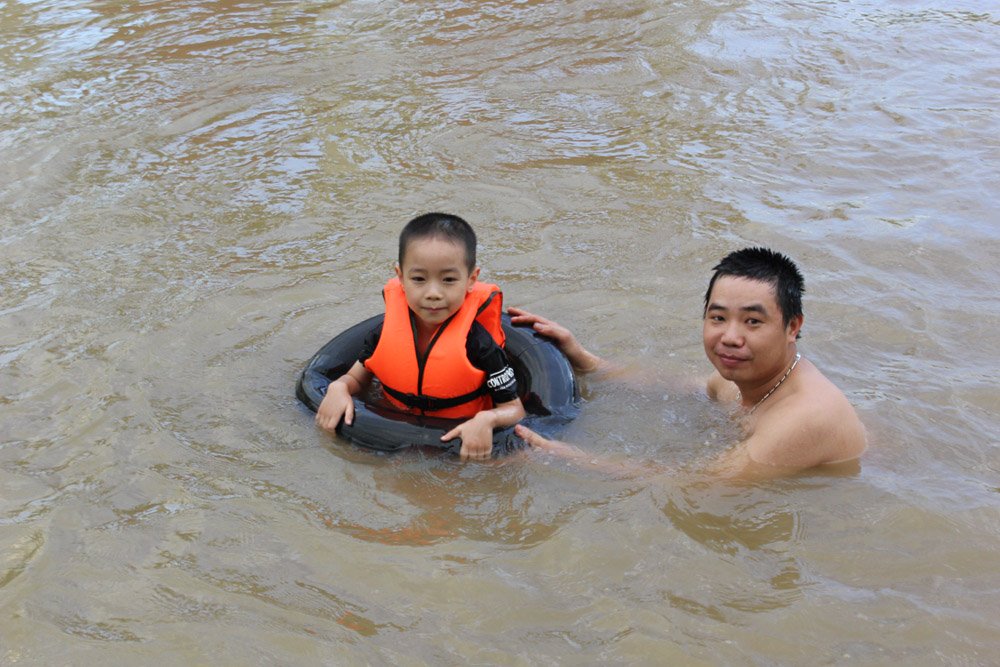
[[808, 428], [720, 389]]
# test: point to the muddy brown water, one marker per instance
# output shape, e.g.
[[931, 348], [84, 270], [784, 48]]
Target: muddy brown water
[[194, 196]]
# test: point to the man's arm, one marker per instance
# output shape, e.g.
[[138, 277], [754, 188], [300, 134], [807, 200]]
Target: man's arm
[[578, 456], [586, 362], [720, 389], [734, 464], [582, 360], [803, 433], [782, 451]]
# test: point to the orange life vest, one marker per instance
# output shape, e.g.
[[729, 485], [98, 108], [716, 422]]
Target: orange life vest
[[441, 382]]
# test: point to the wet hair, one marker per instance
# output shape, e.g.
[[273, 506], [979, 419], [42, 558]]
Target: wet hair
[[766, 266], [443, 226]]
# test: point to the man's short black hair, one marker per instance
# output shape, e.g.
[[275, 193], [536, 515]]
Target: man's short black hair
[[766, 266], [440, 225]]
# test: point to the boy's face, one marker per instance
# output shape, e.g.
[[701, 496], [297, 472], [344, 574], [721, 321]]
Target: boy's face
[[435, 278]]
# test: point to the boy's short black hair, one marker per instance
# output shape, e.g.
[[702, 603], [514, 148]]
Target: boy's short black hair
[[766, 266], [440, 225]]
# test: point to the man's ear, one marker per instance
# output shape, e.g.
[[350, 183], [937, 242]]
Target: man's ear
[[473, 277], [795, 327]]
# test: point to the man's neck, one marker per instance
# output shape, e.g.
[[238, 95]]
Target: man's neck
[[754, 394]]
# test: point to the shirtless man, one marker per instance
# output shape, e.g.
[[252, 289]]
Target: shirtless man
[[791, 415]]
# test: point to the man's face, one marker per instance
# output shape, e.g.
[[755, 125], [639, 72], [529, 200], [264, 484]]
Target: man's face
[[744, 334], [435, 279]]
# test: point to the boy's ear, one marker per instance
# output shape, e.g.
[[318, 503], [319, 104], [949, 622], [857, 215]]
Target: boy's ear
[[473, 277], [399, 272]]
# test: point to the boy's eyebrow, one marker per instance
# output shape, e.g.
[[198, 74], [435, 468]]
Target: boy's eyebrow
[[420, 269]]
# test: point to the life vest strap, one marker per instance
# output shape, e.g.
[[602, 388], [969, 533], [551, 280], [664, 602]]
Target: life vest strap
[[487, 302], [432, 403]]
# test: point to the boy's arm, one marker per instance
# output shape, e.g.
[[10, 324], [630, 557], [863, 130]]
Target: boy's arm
[[477, 433], [338, 401]]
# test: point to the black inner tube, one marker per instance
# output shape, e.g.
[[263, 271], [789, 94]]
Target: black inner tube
[[545, 381]]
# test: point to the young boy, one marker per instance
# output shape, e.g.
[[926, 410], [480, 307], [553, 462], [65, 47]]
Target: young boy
[[439, 350]]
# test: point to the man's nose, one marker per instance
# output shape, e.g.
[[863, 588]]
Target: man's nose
[[732, 335]]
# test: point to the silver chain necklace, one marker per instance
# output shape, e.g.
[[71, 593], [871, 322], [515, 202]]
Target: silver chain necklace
[[739, 395]]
